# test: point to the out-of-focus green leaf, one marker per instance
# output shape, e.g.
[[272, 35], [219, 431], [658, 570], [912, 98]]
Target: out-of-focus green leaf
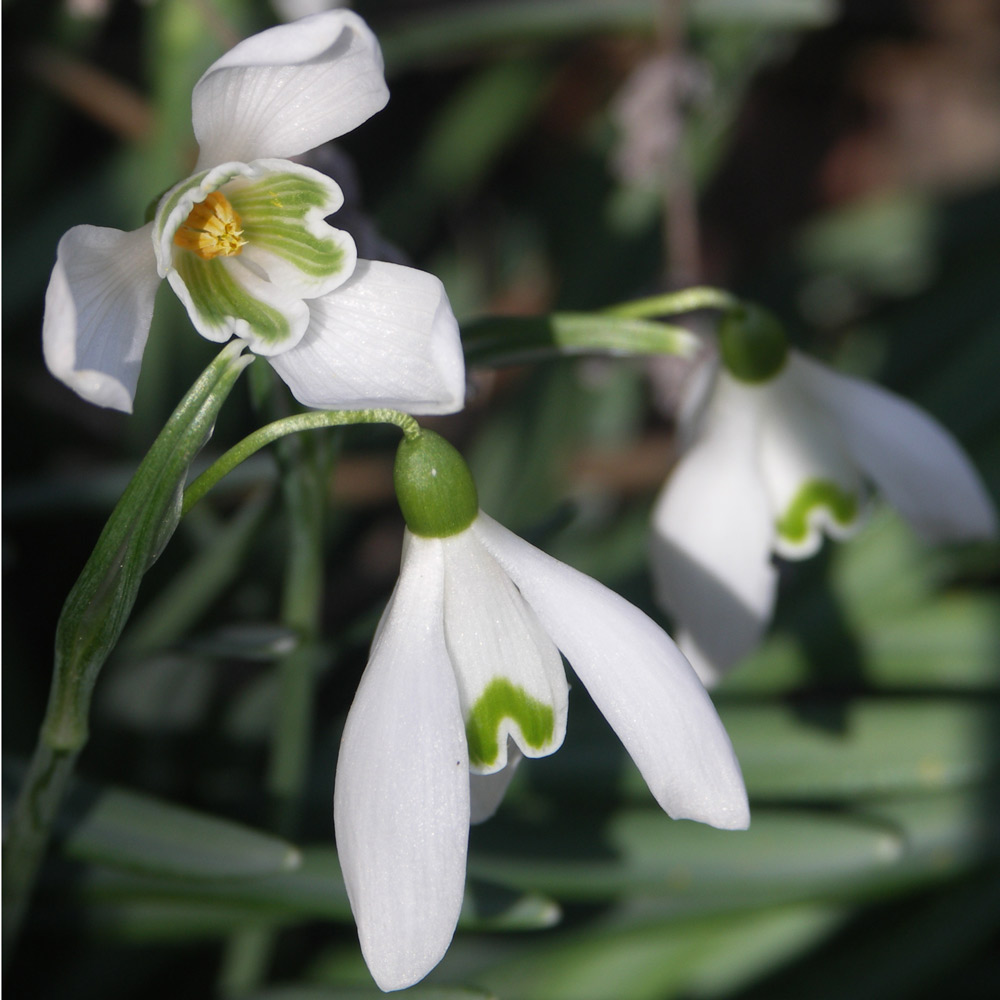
[[822, 750], [656, 961], [944, 834], [191, 592], [459, 30], [126, 830], [882, 617], [645, 853], [165, 693], [464, 142], [313, 889], [825, 750]]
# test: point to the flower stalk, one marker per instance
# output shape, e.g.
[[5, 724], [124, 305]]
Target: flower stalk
[[282, 428]]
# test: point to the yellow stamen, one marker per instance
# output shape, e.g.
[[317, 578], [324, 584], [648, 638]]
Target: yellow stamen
[[212, 229]]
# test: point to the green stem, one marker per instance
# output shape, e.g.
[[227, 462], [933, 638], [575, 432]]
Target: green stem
[[28, 833], [675, 303], [304, 486], [282, 428]]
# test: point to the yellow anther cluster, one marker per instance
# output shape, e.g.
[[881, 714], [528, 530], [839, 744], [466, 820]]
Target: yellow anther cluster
[[212, 229]]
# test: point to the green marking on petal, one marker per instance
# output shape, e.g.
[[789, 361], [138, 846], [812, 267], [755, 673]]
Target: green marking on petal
[[217, 295], [503, 700], [841, 505], [274, 210]]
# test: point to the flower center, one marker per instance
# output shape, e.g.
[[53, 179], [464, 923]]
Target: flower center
[[212, 229]]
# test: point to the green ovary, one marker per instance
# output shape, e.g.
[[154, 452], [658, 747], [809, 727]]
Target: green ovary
[[503, 700], [842, 507]]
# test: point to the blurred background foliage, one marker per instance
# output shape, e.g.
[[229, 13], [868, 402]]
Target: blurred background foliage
[[836, 161]]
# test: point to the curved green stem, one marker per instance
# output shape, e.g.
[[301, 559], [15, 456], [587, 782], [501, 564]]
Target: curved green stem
[[674, 303], [282, 428]]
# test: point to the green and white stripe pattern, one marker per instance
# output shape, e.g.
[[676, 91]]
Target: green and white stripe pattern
[[289, 253]]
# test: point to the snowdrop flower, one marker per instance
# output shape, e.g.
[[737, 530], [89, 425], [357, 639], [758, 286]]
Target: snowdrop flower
[[244, 245], [465, 677], [785, 451]]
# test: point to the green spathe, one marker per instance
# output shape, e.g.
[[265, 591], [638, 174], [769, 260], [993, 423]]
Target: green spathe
[[502, 700], [753, 344], [817, 493], [434, 487]]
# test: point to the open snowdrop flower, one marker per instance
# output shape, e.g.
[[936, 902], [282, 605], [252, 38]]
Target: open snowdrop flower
[[784, 452], [465, 678], [244, 245]]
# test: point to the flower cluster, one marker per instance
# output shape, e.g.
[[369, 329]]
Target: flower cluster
[[466, 674]]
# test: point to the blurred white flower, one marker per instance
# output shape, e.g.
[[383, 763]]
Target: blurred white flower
[[777, 462], [465, 675], [243, 244]]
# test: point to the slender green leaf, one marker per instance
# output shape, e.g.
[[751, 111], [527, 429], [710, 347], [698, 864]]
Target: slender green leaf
[[312, 889], [126, 830], [646, 853]]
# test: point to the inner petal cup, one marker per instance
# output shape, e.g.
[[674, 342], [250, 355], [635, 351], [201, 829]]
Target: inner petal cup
[[255, 285]]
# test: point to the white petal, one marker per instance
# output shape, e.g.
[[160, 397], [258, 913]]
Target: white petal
[[637, 678], [486, 791], [98, 308], [401, 804], [289, 89], [511, 681], [386, 337], [917, 464], [813, 483], [713, 530]]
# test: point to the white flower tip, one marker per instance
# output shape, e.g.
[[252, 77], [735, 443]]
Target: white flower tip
[[398, 968], [730, 812]]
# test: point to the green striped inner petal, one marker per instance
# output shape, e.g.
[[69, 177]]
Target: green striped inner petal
[[817, 493], [217, 297], [273, 211], [503, 700]]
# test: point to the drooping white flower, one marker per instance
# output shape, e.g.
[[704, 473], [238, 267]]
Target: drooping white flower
[[777, 461], [244, 245], [464, 679]]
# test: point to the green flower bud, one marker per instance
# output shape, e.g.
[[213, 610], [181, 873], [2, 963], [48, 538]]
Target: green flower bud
[[753, 343], [434, 487]]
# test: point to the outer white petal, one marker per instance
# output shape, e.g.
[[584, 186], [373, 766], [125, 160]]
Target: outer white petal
[[637, 678], [494, 636], [804, 461], [917, 464], [289, 89], [401, 804], [486, 791], [98, 308], [386, 337], [713, 532]]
